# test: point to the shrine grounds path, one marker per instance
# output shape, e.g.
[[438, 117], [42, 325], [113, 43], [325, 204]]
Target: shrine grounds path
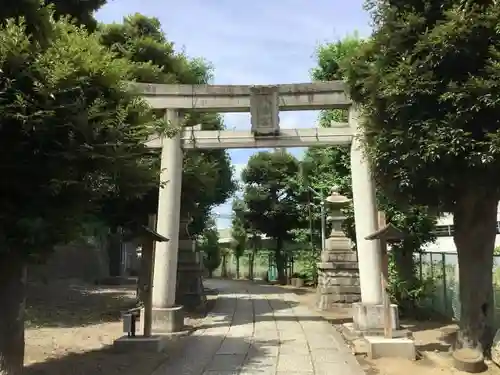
[[261, 330]]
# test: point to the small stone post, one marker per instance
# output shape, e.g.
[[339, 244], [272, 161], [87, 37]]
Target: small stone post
[[148, 249], [386, 233]]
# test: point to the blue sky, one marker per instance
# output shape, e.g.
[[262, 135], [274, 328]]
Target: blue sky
[[251, 42]]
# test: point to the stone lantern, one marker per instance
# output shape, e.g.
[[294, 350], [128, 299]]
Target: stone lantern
[[337, 239], [338, 274]]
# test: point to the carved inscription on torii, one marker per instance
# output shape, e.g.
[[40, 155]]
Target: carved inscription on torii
[[264, 110]]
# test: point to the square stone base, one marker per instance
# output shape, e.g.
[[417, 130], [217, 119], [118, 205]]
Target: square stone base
[[153, 344], [380, 347], [368, 317], [165, 320]]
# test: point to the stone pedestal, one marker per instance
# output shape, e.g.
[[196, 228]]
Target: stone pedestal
[[369, 318], [190, 292], [165, 320], [338, 275]]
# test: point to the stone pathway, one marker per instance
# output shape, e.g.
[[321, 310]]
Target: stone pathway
[[259, 329]]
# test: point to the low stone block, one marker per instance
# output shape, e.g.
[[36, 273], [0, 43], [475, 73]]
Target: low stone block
[[153, 344], [368, 317], [165, 320], [380, 347]]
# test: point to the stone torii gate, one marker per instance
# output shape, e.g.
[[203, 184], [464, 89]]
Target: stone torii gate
[[264, 104]]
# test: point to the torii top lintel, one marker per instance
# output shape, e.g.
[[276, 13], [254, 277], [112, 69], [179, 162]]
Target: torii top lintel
[[236, 98]]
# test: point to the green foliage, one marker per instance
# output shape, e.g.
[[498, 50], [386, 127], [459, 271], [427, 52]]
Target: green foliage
[[429, 85], [208, 244], [331, 57], [330, 166], [272, 196], [36, 14], [496, 251], [69, 128], [407, 293], [239, 229], [207, 174], [271, 193], [81, 11]]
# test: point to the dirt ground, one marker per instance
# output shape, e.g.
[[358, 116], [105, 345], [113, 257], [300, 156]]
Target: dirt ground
[[432, 339], [70, 327]]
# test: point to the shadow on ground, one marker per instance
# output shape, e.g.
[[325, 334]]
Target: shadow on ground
[[71, 303], [190, 355], [433, 336]]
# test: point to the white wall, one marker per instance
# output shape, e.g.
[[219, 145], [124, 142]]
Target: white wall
[[446, 244]]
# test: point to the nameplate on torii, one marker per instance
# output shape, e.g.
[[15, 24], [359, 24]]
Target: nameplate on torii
[[264, 110]]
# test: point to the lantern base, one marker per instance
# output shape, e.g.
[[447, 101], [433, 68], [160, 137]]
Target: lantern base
[[338, 276]]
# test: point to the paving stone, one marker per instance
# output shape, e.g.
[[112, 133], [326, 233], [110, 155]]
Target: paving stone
[[327, 356], [297, 362], [294, 349], [259, 369], [258, 330], [323, 342], [226, 362], [232, 346], [337, 368], [293, 337], [263, 351]]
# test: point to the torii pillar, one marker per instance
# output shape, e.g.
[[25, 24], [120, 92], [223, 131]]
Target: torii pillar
[[368, 315], [166, 316]]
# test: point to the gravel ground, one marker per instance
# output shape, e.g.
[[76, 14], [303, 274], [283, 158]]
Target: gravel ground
[[70, 327]]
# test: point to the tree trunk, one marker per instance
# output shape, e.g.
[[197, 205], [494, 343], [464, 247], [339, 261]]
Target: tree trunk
[[280, 261], [237, 268], [475, 219], [12, 297], [404, 265], [223, 271], [114, 252], [251, 262], [210, 273]]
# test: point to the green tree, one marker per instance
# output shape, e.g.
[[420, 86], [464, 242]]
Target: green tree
[[330, 166], [69, 125], [428, 86], [208, 244], [272, 197], [207, 174], [36, 14], [239, 232]]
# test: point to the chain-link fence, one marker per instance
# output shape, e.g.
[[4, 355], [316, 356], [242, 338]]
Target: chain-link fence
[[440, 272]]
